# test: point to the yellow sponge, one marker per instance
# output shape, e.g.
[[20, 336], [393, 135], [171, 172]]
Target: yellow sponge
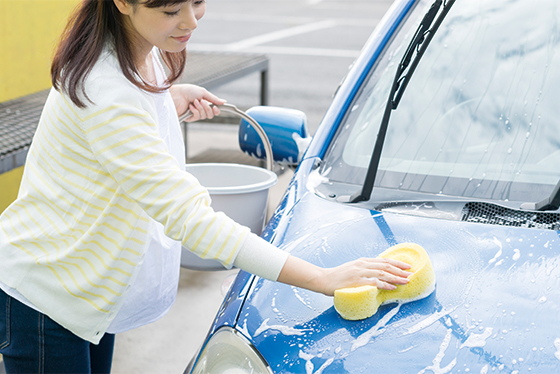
[[362, 302]]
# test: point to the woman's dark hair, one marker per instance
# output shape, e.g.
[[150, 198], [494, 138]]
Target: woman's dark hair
[[94, 24]]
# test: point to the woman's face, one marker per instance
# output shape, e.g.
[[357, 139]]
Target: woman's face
[[168, 27]]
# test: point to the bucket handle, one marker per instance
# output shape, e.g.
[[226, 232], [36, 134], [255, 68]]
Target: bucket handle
[[233, 109]]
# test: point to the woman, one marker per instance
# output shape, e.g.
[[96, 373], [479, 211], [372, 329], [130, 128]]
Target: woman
[[91, 246]]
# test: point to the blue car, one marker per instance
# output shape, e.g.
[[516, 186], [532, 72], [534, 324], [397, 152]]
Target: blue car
[[444, 134]]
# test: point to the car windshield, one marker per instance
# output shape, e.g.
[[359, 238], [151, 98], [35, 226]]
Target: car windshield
[[479, 116]]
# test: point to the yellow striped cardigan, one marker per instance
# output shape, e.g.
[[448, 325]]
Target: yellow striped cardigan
[[72, 241]]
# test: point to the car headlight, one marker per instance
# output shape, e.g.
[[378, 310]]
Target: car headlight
[[229, 352]]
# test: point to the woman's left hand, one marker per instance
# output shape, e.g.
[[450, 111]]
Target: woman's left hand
[[197, 100]]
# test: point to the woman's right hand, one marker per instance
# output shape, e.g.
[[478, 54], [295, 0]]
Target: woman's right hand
[[196, 99], [380, 272]]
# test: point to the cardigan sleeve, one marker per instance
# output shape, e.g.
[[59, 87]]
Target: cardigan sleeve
[[121, 130], [259, 257]]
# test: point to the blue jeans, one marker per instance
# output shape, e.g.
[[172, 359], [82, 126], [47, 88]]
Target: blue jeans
[[31, 342]]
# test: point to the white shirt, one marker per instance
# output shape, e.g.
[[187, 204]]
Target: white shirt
[[153, 292]]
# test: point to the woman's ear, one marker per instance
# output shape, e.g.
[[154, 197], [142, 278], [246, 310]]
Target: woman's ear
[[123, 6]]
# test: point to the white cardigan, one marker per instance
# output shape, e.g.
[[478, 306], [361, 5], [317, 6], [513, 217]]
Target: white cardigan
[[71, 242]]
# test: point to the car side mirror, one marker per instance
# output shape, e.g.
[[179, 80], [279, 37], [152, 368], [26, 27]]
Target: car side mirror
[[286, 129]]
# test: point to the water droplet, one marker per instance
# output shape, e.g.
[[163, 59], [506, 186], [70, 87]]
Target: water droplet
[[509, 150], [507, 121], [542, 300]]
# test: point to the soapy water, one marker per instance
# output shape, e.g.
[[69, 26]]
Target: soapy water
[[243, 329], [458, 262], [376, 330], [436, 368], [477, 340], [428, 321], [497, 255], [308, 303], [309, 367], [285, 330]]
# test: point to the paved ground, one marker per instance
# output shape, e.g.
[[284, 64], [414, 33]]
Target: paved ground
[[311, 44]]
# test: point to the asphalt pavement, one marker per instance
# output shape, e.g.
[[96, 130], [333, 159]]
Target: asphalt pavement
[[311, 44]]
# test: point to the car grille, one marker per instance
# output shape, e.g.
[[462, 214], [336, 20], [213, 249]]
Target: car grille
[[492, 214]]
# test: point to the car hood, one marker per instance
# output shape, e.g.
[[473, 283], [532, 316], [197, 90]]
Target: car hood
[[495, 306]]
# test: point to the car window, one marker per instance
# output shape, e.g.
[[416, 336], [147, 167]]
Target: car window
[[479, 117]]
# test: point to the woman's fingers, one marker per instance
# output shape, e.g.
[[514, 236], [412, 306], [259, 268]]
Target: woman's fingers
[[388, 281], [208, 96], [201, 109], [399, 264], [383, 273], [379, 272], [390, 269]]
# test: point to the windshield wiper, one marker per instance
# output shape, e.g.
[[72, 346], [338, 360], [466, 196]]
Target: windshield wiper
[[416, 48], [550, 203]]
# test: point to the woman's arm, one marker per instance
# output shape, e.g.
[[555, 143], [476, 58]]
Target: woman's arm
[[196, 99], [382, 273], [259, 257]]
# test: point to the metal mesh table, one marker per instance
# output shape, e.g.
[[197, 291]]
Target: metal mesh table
[[18, 121], [19, 117], [212, 69]]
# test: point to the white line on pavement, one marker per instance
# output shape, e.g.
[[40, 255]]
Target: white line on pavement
[[280, 34], [298, 51], [267, 18]]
